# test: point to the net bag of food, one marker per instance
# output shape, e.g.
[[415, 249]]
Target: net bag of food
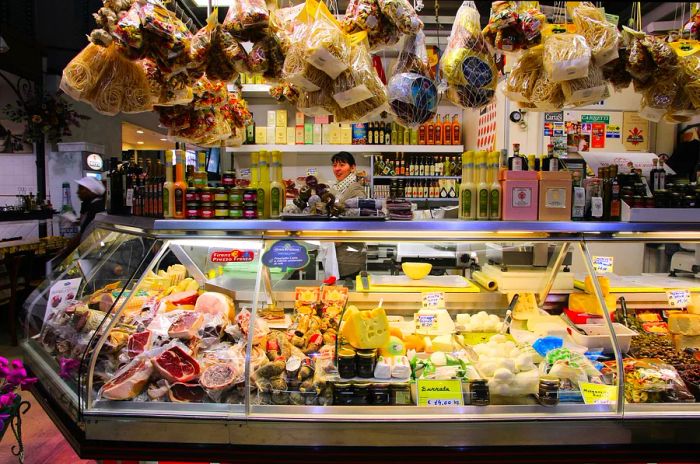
[[467, 66], [602, 36], [327, 45], [247, 20], [413, 96], [359, 91], [522, 77], [366, 15], [566, 56], [402, 14], [587, 90]]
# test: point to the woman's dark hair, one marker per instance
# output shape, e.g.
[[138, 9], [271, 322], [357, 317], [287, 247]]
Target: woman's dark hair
[[343, 156]]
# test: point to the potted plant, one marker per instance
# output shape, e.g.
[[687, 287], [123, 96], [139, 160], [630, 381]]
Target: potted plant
[[13, 379]]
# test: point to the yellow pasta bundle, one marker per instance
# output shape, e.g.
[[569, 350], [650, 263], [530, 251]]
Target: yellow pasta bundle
[[523, 76], [566, 57], [602, 36], [587, 90], [82, 72]]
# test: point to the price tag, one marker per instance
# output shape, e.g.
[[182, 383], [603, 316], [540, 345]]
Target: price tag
[[244, 172], [594, 393], [603, 264], [311, 172], [678, 298], [129, 197], [433, 300], [439, 393]]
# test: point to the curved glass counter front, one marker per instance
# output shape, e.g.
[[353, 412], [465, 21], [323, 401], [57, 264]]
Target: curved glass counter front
[[445, 326]]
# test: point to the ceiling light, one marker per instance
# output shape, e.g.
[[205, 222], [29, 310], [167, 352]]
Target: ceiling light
[[139, 142], [139, 131], [163, 140]]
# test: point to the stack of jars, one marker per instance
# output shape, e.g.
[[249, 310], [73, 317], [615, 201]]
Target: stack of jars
[[226, 201]]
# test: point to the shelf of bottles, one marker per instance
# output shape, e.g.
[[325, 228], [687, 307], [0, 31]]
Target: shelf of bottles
[[330, 148], [431, 177]]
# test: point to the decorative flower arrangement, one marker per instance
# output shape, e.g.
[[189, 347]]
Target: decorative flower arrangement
[[48, 116], [13, 378]]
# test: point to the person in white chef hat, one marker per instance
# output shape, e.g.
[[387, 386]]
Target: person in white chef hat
[[91, 192]]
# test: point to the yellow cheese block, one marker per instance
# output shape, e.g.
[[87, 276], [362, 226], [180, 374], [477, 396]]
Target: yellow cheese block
[[526, 307], [602, 280], [684, 324], [585, 303], [694, 304], [686, 341], [366, 329]]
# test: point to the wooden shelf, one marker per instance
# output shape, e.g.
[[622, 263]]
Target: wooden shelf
[[349, 148]]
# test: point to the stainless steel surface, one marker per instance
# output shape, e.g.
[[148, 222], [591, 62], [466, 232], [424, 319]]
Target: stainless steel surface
[[556, 268], [186, 261]]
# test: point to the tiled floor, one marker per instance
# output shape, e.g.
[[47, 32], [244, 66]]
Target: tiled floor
[[43, 443]]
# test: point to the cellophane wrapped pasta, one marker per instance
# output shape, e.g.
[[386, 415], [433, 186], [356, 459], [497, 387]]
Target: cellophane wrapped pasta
[[227, 58], [602, 36], [366, 15], [282, 24], [359, 91], [200, 45], [327, 45], [166, 37], [691, 66], [81, 74], [547, 94], [413, 96], [584, 91], [296, 70], [247, 20], [566, 56], [318, 103], [128, 31], [524, 74], [402, 14], [120, 86], [467, 65], [616, 72], [514, 25], [257, 58]]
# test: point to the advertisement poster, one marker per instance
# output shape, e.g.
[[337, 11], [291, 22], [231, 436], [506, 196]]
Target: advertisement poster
[[635, 132], [612, 131], [61, 295], [598, 135]]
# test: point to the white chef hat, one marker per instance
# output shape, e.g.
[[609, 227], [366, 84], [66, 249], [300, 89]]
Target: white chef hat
[[92, 184]]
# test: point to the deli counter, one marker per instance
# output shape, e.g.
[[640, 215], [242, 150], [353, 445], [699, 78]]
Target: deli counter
[[450, 334]]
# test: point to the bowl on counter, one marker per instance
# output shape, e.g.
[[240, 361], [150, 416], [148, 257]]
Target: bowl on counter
[[416, 271]]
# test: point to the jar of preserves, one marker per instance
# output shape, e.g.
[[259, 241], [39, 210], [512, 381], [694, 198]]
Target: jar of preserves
[[676, 200], [365, 363], [250, 196], [206, 195], [343, 394], [346, 363], [235, 212], [228, 179], [235, 196], [379, 394], [361, 394], [250, 212], [221, 210], [549, 390], [206, 210], [400, 394], [660, 198], [220, 194], [191, 195], [479, 394], [192, 210]]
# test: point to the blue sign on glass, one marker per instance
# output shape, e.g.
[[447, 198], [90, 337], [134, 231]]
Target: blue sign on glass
[[286, 254]]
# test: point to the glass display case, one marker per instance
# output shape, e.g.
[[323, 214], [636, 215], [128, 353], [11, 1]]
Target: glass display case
[[238, 332]]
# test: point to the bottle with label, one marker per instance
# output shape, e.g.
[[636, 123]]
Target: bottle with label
[[264, 185], [578, 198], [482, 212], [606, 191], [467, 189], [406, 136], [255, 175], [430, 132], [515, 162], [615, 198], [168, 189], [596, 200], [387, 134], [394, 133], [200, 176], [277, 192], [658, 176], [495, 188], [552, 160], [446, 131], [456, 131], [432, 167], [438, 131], [413, 137], [180, 186], [422, 129]]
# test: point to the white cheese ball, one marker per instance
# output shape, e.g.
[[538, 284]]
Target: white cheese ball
[[503, 375]]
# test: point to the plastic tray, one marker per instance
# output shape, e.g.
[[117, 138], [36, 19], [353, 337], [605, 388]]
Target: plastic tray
[[598, 336]]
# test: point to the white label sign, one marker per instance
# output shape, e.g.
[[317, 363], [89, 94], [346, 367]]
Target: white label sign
[[603, 264], [433, 300], [678, 298]]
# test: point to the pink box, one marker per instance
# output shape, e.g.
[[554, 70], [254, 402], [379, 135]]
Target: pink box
[[520, 195], [322, 119]]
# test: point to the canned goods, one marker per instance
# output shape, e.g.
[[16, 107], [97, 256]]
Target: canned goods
[[206, 210], [220, 194], [192, 210], [221, 210]]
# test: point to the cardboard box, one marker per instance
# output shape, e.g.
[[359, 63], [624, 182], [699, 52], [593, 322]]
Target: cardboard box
[[317, 134], [326, 134], [271, 135], [299, 135], [271, 118], [291, 136], [299, 118], [280, 135], [308, 133], [335, 133], [260, 135], [281, 118], [346, 134], [322, 119]]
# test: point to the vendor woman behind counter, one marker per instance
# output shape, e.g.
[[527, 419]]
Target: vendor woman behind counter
[[351, 256]]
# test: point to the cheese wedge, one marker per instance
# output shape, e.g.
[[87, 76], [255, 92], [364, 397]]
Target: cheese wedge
[[585, 303], [366, 329], [684, 324]]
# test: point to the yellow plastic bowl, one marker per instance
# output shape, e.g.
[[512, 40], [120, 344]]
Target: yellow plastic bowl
[[416, 271]]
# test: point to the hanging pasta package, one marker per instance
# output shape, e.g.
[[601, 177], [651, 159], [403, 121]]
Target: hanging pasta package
[[82, 72], [522, 77], [366, 15], [514, 25], [602, 36], [587, 90], [120, 86], [247, 20], [413, 95], [296, 70], [127, 30], [546, 95], [359, 91], [691, 65], [200, 45], [327, 45], [467, 66], [318, 103], [166, 37], [257, 58], [402, 14], [616, 72], [282, 24], [657, 99], [566, 57], [227, 58]]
